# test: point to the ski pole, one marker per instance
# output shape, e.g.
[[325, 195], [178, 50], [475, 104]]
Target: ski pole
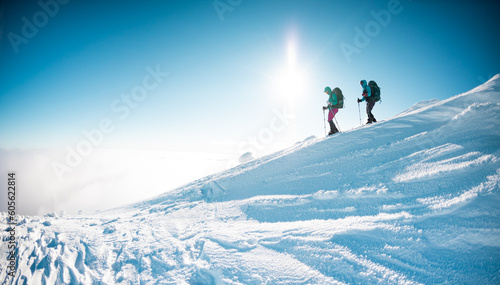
[[337, 124], [359, 112]]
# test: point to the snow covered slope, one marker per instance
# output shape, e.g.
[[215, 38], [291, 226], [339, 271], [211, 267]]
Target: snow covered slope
[[409, 200]]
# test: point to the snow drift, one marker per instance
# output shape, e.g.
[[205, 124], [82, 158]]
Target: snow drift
[[409, 200]]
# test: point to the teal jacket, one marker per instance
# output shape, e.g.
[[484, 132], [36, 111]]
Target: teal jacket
[[332, 97], [367, 91]]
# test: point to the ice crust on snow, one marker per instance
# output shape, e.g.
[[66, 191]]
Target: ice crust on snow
[[410, 200]]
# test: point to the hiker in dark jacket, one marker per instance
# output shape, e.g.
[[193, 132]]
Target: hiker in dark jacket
[[332, 101], [370, 101]]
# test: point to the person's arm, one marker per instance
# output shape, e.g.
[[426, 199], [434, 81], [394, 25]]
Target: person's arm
[[363, 97], [327, 104]]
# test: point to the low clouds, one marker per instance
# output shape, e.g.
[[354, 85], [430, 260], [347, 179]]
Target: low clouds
[[106, 179]]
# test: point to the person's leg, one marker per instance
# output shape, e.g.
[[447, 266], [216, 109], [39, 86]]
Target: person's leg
[[333, 128], [331, 115], [369, 107]]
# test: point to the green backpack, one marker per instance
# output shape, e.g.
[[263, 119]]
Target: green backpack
[[375, 90], [340, 98]]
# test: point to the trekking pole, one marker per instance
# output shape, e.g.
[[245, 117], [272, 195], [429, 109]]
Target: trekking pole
[[338, 126], [324, 121], [359, 112]]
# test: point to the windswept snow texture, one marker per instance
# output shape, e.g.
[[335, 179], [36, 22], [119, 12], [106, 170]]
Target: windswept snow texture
[[409, 200]]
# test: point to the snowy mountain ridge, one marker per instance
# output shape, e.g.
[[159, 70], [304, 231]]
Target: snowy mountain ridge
[[409, 200]]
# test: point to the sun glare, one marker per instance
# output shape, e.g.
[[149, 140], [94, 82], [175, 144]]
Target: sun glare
[[290, 80]]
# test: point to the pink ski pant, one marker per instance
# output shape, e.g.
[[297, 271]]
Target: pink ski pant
[[332, 113]]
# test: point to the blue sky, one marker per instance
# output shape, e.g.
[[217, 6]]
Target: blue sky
[[222, 65], [242, 75]]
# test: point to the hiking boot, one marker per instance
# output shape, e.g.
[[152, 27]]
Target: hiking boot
[[332, 132], [333, 128]]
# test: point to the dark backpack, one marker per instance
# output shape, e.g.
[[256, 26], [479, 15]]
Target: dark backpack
[[340, 98], [375, 90]]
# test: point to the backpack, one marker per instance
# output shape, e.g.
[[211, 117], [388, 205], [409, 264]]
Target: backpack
[[340, 98], [375, 90]]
